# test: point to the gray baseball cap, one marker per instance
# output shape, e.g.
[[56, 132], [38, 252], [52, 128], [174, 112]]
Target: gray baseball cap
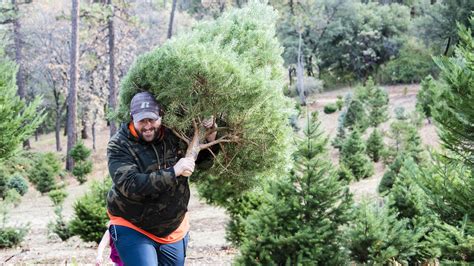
[[144, 106]]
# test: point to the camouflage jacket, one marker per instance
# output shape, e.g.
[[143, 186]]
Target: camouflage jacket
[[145, 190]]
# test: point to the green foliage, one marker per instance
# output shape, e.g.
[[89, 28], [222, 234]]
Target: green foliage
[[455, 243], [400, 113], [425, 99], [11, 236], [301, 222], [354, 157], [90, 213], [82, 164], [454, 111], [18, 121], [391, 174], [404, 139], [80, 152], [3, 181], [412, 64], [339, 102], [18, 183], [377, 103], [230, 68], [377, 237], [330, 108], [60, 227], [12, 197], [239, 210], [356, 116], [57, 196], [81, 169], [44, 172], [341, 131], [375, 145]]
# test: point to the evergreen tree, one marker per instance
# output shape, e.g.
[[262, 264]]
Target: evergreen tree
[[231, 69], [454, 112], [375, 145], [301, 223], [354, 157], [18, 121], [404, 139], [391, 174], [341, 131], [425, 99], [377, 237], [377, 103], [356, 116]]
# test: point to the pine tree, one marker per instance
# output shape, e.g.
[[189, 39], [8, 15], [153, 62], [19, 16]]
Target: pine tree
[[425, 99], [375, 145], [354, 157], [391, 174], [405, 139], [231, 69], [341, 131], [356, 116], [301, 223], [377, 237], [18, 121], [454, 112], [376, 100]]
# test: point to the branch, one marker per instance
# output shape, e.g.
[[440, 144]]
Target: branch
[[181, 136], [224, 139]]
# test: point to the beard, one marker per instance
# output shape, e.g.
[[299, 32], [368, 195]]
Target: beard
[[148, 135]]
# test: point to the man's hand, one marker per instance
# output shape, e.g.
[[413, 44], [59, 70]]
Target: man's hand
[[209, 124], [184, 165]]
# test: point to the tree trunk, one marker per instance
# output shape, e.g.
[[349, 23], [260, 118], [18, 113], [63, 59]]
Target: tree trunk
[[20, 74], [112, 88], [170, 25], [300, 76], [84, 134], [73, 73], [94, 122]]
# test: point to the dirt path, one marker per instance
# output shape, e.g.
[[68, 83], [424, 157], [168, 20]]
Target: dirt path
[[207, 244]]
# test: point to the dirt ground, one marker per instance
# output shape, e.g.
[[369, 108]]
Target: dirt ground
[[207, 244]]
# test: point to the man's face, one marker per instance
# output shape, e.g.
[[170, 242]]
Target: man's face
[[147, 128]]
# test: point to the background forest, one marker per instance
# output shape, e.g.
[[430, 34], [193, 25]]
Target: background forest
[[372, 163]]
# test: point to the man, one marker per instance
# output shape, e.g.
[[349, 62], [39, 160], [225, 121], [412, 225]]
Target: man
[[147, 203]]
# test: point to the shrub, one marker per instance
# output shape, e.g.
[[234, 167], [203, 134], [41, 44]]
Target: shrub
[[3, 181], [354, 157], [12, 197], [18, 183], [330, 108], [83, 165], [339, 102], [11, 237], [59, 226], [90, 213], [57, 196], [81, 169], [44, 172]]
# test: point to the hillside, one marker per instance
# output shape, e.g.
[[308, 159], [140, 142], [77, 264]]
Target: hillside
[[207, 244]]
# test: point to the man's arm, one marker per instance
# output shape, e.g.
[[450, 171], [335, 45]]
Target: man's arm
[[128, 179]]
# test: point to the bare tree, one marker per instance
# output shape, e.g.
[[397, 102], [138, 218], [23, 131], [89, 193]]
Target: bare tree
[[73, 74]]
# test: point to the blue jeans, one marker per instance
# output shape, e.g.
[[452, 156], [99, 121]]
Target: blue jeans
[[135, 248]]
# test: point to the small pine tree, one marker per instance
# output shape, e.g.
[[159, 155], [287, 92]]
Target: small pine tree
[[90, 213], [391, 174], [404, 139], [375, 145], [354, 157], [356, 116], [341, 131], [83, 165], [376, 101], [60, 227], [425, 99], [301, 223], [377, 237]]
